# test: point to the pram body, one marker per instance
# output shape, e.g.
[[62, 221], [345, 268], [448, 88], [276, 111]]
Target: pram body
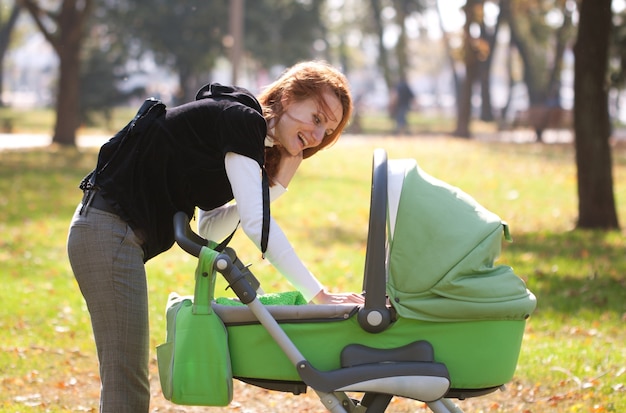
[[436, 324]]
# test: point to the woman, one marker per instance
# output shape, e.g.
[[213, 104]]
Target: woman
[[205, 153]]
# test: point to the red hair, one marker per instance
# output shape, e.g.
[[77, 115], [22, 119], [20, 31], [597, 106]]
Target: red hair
[[300, 82]]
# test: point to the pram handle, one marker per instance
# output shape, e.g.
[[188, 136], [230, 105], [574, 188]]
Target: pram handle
[[375, 316], [192, 243]]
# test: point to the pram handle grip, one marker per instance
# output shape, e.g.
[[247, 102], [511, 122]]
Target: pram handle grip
[[188, 240]]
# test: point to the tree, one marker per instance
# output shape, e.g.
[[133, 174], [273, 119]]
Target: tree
[[489, 36], [541, 42], [186, 36], [531, 35], [450, 53], [6, 28], [476, 54], [102, 74], [383, 56], [471, 56], [596, 203], [288, 36], [394, 63], [64, 29], [618, 56], [404, 8]]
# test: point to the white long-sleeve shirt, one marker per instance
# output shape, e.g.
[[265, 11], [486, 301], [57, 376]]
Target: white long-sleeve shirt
[[244, 175]]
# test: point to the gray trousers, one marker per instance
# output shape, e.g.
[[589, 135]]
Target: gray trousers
[[107, 261]]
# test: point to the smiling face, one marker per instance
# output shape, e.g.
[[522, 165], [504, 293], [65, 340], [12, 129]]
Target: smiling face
[[304, 124]]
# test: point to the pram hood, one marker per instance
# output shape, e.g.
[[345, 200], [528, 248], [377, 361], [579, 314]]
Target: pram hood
[[441, 253]]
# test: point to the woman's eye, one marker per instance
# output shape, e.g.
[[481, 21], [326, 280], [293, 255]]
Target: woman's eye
[[316, 119]]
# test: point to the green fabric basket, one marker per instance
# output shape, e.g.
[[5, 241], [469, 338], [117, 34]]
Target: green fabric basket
[[478, 354], [194, 362]]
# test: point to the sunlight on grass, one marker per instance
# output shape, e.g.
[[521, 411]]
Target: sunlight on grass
[[573, 355]]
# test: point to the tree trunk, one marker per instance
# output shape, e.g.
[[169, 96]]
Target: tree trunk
[[448, 48], [5, 37], [503, 116], [70, 25], [464, 105], [66, 39], [188, 84], [68, 113], [533, 68], [401, 46], [541, 60], [383, 55], [505, 17], [563, 36], [596, 203], [486, 109]]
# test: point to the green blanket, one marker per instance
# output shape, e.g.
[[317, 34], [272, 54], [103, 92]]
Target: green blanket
[[282, 298]]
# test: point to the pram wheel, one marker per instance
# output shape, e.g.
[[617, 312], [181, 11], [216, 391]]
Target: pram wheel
[[375, 402]]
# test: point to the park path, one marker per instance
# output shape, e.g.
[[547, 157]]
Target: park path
[[30, 140]]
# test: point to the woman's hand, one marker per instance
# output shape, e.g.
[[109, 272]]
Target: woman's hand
[[287, 167], [324, 297]]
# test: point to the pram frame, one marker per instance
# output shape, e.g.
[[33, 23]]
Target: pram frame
[[424, 380]]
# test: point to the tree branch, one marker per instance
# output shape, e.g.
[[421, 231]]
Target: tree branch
[[36, 13]]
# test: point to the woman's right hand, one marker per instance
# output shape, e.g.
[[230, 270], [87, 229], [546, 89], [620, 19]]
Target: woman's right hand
[[287, 167], [324, 297]]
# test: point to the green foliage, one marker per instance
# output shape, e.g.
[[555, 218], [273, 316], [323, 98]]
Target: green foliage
[[185, 36], [617, 64], [287, 36], [101, 80], [188, 36], [573, 355]]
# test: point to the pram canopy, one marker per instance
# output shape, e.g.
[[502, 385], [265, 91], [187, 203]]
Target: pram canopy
[[441, 253]]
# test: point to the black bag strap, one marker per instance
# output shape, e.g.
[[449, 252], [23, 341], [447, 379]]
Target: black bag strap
[[109, 150], [265, 230], [222, 245]]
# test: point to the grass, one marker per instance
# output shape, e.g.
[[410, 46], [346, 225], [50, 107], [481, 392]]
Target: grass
[[574, 353], [17, 120]]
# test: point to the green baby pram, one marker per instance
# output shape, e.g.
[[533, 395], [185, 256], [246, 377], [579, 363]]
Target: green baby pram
[[440, 320]]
